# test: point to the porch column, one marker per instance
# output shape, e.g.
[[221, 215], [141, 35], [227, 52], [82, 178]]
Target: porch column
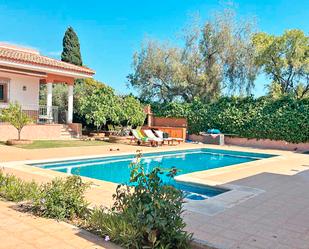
[[70, 104], [49, 102]]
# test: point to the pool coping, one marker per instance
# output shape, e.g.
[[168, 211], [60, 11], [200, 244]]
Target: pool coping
[[167, 149]]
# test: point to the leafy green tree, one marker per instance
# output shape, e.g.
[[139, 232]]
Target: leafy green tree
[[101, 106], [215, 58], [16, 117], [285, 59], [274, 90], [155, 72], [228, 53], [71, 48], [133, 112], [81, 90]]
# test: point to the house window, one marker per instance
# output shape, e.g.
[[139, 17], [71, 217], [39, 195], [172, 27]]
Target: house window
[[3, 90]]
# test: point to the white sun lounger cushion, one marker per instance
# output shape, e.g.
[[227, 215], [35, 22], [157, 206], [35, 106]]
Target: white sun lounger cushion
[[150, 134], [160, 135]]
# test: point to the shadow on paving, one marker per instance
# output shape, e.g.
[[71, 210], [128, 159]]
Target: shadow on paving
[[97, 241], [276, 218]]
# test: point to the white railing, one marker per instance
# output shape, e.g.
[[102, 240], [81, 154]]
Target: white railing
[[40, 114], [48, 115]]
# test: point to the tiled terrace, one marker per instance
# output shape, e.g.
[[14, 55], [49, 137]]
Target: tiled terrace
[[24, 231], [276, 217]]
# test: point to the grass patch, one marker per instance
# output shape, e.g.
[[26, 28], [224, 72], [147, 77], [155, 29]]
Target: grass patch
[[42, 144]]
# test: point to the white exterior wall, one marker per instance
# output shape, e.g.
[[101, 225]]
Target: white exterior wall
[[29, 99]]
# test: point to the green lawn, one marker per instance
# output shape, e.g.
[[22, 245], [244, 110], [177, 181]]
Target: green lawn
[[41, 144]]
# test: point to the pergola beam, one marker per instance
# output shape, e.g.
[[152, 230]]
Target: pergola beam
[[57, 79]]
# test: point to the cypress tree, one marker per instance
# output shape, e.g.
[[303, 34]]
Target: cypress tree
[[71, 48]]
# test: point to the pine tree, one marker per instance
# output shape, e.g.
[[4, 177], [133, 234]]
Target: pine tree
[[71, 48]]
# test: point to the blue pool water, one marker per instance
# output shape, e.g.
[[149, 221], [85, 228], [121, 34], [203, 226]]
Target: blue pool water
[[116, 168]]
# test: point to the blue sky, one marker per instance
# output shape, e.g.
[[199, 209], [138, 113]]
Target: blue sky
[[110, 31]]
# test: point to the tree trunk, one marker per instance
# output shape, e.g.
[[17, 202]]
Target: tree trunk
[[19, 131]]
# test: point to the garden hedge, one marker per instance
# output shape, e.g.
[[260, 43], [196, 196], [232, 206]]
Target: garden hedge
[[262, 118]]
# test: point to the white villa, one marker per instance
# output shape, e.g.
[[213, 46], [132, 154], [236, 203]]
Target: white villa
[[22, 70]]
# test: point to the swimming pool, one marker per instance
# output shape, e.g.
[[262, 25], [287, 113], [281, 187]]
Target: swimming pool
[[116, 168]]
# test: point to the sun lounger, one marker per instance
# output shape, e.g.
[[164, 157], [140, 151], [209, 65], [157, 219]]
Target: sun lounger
[[170, 140], [138, 138], [141, 139], [153, 137]]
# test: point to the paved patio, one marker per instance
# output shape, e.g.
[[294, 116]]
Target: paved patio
[[275, 217], [24, 231]]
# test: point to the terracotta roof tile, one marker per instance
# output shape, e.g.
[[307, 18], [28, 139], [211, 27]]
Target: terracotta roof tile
[[34, 58]]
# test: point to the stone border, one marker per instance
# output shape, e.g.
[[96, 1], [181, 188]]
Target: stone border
[[202, 244], [18, 142], [235, 195], [256, 143], [266, 144]]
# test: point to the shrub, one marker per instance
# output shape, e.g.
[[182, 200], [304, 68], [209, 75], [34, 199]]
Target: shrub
[[263, 118], [14, 189], [62, 199], [145, 215], [117, 226]]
